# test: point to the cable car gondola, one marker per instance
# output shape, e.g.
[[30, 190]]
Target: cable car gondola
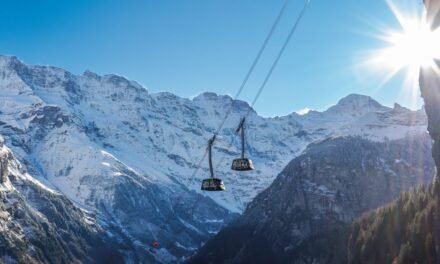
[[212, 184], [154, 246], [242, 164]]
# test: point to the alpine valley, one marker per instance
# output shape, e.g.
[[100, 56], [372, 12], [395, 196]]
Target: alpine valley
[[94, 168]]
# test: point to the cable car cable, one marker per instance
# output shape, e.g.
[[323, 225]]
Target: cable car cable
[[274, 26], [245, 80], [272, 68], [270, 72], [283, 48], [254, 63]]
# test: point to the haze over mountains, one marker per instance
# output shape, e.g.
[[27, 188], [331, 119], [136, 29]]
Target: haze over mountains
[[128, 156]]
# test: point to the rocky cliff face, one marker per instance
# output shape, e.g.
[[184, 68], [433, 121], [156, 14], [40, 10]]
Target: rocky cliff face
[[430, 86], [430, 89], [303, 217], [3, 166]]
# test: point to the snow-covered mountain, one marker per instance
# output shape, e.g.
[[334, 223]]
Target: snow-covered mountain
[[40, 225], [111, 146]]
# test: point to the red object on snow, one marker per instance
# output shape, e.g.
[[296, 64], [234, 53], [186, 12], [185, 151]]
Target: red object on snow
[[155, 244]]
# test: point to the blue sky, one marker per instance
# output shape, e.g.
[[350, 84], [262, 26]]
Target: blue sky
[[188, 47]]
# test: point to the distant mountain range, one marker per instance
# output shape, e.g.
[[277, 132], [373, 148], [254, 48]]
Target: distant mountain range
[[127, 155]]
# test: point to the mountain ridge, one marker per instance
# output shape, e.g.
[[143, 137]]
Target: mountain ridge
[[348, 100]]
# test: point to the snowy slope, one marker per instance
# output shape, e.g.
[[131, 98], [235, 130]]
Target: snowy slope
[[98, 139], [40, 225]]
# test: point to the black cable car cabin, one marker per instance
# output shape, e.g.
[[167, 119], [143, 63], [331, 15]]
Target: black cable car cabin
[[212, 184], [242, 164]]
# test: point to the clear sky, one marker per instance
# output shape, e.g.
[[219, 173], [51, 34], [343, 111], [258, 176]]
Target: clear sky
[[191, 46]]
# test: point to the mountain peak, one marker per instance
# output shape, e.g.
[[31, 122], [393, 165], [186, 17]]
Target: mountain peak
[[356, 105], [7, 61], [90, 74], [224, 100], [8, 58], [212, 96], [359, 99]]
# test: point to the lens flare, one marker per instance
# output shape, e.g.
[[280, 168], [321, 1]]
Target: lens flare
[[408, 48], [413, 45]]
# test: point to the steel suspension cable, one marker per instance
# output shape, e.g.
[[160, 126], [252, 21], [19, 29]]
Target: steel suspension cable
[[254, 63], [243, 84], [272, 68], [266, 79], [280, 53]]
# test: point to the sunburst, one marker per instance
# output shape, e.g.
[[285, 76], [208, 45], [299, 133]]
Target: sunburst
[[408, 48]]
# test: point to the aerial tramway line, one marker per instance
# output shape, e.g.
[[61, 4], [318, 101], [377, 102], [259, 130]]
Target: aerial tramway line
[[213, 184], [242, 163]]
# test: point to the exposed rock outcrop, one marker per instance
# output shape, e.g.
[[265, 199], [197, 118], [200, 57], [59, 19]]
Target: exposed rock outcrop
[[3, 168], [430, 86]]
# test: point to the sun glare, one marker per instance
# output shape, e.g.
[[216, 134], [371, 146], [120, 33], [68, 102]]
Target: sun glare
[[405, 49], [413, 46]]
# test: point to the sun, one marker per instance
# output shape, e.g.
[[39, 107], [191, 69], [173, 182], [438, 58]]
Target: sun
[[409, 47], [414, 45]]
